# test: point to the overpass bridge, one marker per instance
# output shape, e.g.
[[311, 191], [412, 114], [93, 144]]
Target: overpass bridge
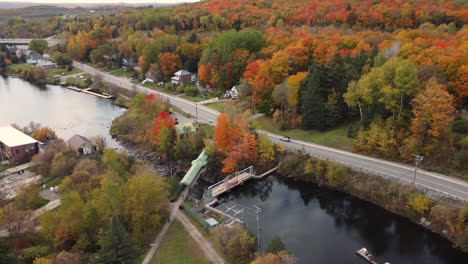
[[51, 42]]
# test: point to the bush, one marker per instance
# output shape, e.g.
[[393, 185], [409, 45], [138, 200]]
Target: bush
[[31, 253], [461, 159], [460, 126], [191, 90]]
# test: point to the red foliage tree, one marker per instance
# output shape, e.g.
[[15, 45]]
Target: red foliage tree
[[161, 121]]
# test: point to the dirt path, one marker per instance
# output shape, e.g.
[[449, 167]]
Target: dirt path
[[204, 243], [162, 233]]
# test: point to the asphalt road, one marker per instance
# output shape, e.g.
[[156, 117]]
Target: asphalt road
[[429, 181]]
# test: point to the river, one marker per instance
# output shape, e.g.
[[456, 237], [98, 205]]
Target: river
[[318, 225], [65, 111]]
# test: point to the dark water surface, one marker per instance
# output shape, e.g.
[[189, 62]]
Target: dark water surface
[[65, 111], [318, 225]]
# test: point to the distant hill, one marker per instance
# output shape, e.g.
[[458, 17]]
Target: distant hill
[[17, 5]]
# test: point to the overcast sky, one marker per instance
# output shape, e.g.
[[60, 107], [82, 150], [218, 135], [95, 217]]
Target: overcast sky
[[99, 1]]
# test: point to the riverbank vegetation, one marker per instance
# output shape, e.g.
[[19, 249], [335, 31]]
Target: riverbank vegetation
[[148, 125], [443, 215], [106, 199]]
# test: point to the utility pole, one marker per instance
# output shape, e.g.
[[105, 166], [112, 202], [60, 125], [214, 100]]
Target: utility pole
[[258, 211], [196, 111], [417, 161]]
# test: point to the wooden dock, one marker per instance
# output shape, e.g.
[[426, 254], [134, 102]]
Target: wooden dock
[[76, 89], [88, 91]]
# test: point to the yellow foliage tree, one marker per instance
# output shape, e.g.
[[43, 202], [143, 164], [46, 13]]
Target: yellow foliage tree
[[293, 83], [279, 66], [420, 203]]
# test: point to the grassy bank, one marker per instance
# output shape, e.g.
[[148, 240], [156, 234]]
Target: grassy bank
[[123, 73], [61, 71], [335, 138], [178, 247]]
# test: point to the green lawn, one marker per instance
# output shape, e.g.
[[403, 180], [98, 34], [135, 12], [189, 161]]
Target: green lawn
[[218, 106], [178, 247], [59, 71], [123, 72], [178, 110], [4, 167], [19, 67], [198, 98], [335, 138], [148, 85], [51, 182], [209, 130]]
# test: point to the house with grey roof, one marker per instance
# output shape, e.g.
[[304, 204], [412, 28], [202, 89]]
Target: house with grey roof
[[182, 77], [82, 145]]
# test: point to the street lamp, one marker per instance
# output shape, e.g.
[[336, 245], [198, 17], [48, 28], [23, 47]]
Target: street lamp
[[417, 161]]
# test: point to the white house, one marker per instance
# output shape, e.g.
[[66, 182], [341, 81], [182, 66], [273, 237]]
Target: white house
[[81, 144], [233, 93]]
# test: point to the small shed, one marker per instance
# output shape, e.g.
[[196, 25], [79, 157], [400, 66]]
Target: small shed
[[194, 171], [81, 144], [16, 146], [212, 222]]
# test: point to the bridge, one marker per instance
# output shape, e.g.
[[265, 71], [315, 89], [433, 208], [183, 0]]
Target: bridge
[[230, 182], [50, 41]]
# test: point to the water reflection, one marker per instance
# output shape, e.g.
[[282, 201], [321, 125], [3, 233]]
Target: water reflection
[[64, 110], [323, 226]]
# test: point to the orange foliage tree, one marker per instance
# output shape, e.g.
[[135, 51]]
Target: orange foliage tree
[[224, 133], [243, 154], [163, 120], [433, 111], [258, 76], [169, 63]]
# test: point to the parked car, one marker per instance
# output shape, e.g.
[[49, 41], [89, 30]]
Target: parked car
[[285, 139], [56, 76]]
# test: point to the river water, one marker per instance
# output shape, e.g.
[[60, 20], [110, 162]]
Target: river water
[[318, 225], [65, 111]]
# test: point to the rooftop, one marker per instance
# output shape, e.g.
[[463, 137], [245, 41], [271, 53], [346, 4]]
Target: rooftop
[[12, 137], [182, 72], [197, 165], [184, 128], [76, 141]]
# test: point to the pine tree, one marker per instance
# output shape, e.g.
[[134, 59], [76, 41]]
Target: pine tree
[[116, 245], [312, 105]]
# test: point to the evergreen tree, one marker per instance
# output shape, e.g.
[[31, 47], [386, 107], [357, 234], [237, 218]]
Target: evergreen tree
[[116, 245], [312, 104], [275, 245]]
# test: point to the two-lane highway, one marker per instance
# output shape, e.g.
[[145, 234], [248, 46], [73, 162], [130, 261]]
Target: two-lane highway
[[424, 179]]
